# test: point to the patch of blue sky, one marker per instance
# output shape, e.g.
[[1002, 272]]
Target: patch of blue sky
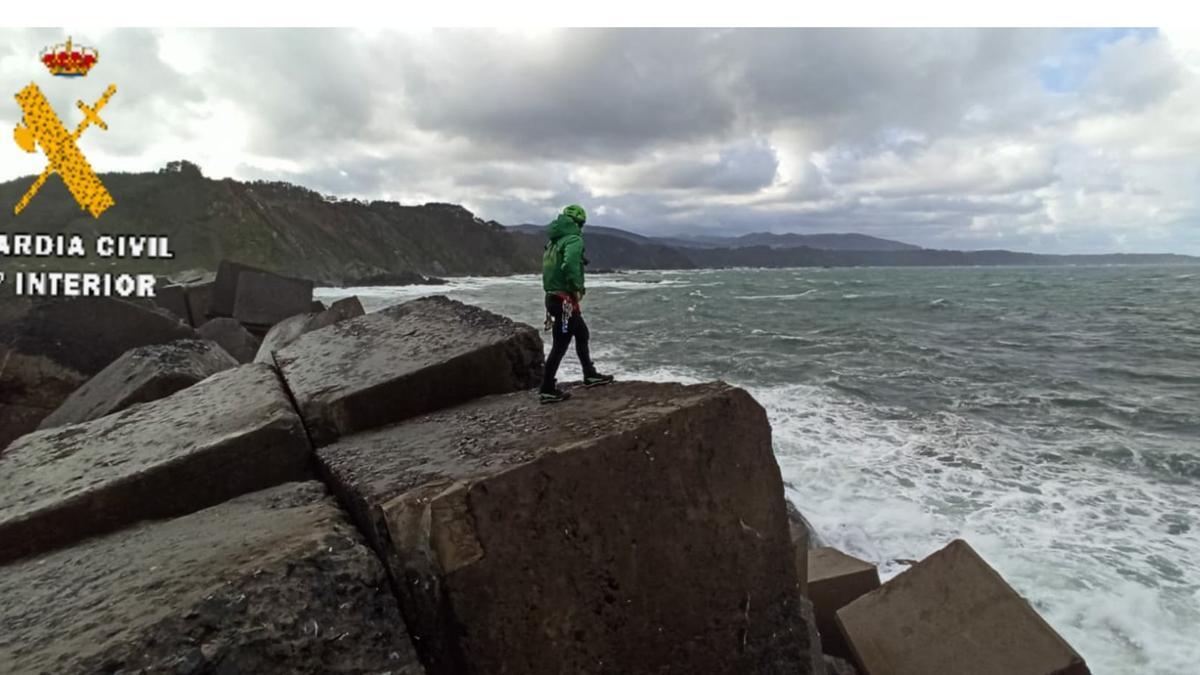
[[1080, 53]]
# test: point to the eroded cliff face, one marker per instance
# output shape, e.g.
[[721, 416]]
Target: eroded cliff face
[[276, 226]]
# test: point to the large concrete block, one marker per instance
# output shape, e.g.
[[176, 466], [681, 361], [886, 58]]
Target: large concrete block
[[953, 613], [287, 331], [230, 434], [834, 581], [403, 361], [186, 297], [798, 527], [49, 347], [816, 658], [223, 293], [838, 666], [264, 299], [141, 375], [198, 296], [173, 298], [638, 528], [232, 336], [272, 582]]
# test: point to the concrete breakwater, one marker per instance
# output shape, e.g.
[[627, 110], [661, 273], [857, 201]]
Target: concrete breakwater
[[382, 493]]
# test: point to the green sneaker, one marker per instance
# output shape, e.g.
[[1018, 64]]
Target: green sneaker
[[597, 380], [555, 396]]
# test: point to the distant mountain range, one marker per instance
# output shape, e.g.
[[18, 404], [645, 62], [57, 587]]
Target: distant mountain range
[[296, 231], [831, 242], [609, 247]]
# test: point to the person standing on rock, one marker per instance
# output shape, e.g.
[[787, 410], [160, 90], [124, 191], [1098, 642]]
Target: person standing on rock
[[562, 281]]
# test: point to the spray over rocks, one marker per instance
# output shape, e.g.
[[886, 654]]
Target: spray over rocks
[[372, 497]]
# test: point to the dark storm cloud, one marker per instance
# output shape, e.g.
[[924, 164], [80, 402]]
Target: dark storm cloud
[[862, 81], [573, 94], [606, 93], [941, 137]]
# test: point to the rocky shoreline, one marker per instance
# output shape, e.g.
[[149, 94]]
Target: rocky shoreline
[[240, 480]]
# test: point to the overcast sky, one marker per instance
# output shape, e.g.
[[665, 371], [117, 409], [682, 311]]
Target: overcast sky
[[1038, 140]]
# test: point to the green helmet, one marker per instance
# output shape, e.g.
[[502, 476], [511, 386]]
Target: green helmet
[[576, 213]]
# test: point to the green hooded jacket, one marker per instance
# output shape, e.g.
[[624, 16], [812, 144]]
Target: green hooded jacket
[[562, 263]]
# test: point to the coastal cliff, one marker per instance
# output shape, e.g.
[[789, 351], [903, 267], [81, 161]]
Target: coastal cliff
[[276, 226]]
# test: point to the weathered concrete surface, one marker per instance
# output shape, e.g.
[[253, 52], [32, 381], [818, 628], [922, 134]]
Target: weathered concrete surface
[[223, 293], [264, 299], [283, 334], [230, 434], [49, 347], [953, 613], [186, 298], [233, 338], [141, 375], [816, 658], [287, 331], [637, 528], [403, 361], [272, 582], [836, 666], [834, 581], [173, 298], [798, 528], [198, 296], [346, 308]]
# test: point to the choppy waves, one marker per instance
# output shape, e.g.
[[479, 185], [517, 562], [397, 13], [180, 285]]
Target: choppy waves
[[1049, 416]]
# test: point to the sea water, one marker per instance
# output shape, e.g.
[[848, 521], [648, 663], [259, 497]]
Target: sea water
[[1049, 416]]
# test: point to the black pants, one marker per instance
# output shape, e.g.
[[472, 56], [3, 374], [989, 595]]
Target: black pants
[[575, 328]]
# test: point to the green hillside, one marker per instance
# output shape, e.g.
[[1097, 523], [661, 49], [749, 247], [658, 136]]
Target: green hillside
[[276, 226]]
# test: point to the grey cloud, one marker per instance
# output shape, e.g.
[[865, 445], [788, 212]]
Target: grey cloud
[[1132, 74], [863, 81], [963, 205], [506, 175], [316, 88], [150, 93], [739, 168], [610, 93], [897, 133], [353, 176], [599, 94]]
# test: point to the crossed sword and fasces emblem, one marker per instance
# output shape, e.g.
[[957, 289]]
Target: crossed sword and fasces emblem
[[43, 128]]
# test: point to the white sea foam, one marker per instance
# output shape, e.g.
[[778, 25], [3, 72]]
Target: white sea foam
[[1105, 552], [884, 489], [783, 296], [632, 284], [378, 297], [656, 374], [891, 490]]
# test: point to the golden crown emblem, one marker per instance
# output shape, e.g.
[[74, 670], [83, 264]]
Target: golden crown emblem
[[68, 60]]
